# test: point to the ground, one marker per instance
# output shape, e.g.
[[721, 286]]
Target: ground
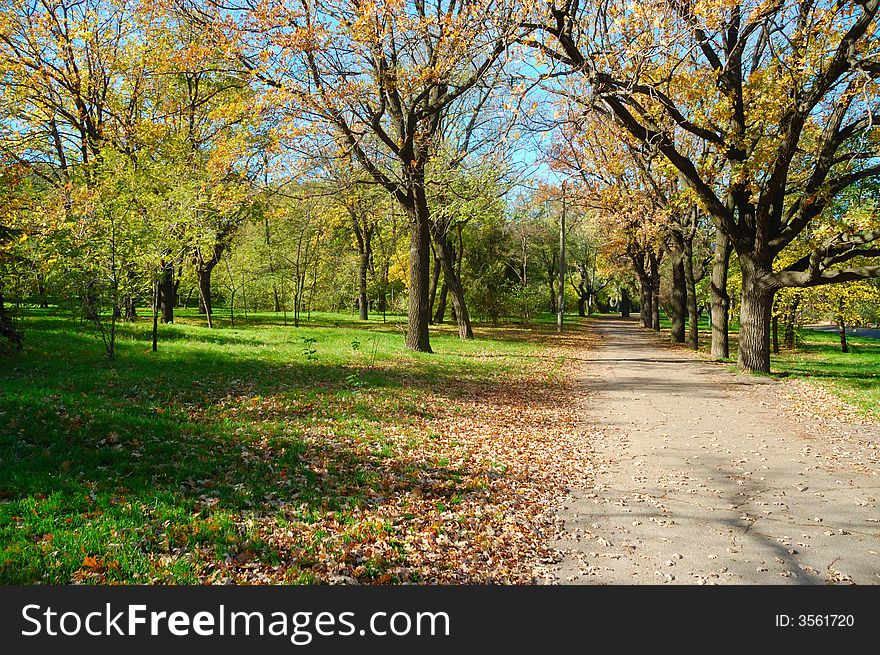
[[327, 453], [271, 453], [707, 476]]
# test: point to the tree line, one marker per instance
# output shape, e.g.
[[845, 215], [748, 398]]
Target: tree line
[[715, 154]]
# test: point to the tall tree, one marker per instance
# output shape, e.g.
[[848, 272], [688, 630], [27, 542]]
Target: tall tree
[[382, 76]]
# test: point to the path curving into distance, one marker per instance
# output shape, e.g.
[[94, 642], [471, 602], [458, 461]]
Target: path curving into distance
[[708, 476]]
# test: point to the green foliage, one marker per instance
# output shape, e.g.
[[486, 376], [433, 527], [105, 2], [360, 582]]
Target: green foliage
[[310, 349]]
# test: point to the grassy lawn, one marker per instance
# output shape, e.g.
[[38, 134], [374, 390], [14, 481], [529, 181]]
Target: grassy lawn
[[263, 453], [853, 376]]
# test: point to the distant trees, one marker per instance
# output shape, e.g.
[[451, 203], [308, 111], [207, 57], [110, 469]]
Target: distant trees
[[136, 146]]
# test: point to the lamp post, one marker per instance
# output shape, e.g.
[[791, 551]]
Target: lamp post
[[561, 298]]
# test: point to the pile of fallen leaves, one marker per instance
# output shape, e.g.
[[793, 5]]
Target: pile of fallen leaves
[[846, 428], [822, 404]]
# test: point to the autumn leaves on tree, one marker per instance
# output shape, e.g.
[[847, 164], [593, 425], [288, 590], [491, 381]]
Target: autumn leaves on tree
[[765, 110], [383, 77]]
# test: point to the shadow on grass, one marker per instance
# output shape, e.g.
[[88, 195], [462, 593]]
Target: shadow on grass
[[180, 435]]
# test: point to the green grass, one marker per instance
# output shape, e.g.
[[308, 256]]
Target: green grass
[[160, 465], [853, 376]]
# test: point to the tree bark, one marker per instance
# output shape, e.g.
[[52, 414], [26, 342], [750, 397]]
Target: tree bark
[[90, 303], [791, 323], [754, 318], [655, 291], [204, 275], [841, 324], [204, 268], [364, 235], [7, 327], [41, 292], [646, 313], [691, 286], [418, 318], [167, 293], [452, 283], [435, 281], [639, 258], [551, 281], [129, 307], [720, 300], [156, 317], [362, 286], [678, 302], [775, 333], [624, 303]]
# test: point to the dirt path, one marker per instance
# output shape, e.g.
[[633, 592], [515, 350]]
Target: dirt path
[[706, 476]]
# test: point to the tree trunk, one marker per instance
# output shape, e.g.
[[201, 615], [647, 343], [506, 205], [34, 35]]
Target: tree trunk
[[775, 333], [362, 286], [156, 316], [646, 313], [7, 327], [691, 286], [204, 275], [417, 337], [90, 303], [551, 280], [441, 305], [41, 292], [453, 285], [277, 307], [435, 280], [841, 324], [128, 304], [720, 300], [167, 293], [655, 291], [582, 303], [791, 323], [754, 319], [678, 304], [624, 303]]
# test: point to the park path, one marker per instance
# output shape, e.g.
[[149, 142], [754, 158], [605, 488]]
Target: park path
[[707, 476]]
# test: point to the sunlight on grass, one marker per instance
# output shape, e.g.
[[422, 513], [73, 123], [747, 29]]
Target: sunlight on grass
[[159, 466], [853, 376]]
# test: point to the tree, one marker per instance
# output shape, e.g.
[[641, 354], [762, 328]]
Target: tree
[[382, 76], [72, 71], [782, 97], [14, 202], [629, 198], [364, 212]]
